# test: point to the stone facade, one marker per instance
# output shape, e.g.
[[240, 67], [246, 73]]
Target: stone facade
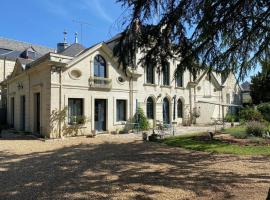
[[58, 78]]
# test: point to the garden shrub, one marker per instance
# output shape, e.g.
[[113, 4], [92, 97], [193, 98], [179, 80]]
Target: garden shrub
[[141, 119], [255, 128], [264, 109], [250, 114], [230, 117]]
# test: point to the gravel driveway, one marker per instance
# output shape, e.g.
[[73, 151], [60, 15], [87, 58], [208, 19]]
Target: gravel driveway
[[123, 167]]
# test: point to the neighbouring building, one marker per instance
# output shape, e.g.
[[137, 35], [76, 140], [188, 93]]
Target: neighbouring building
[[100, 95], [12, 51], [245, 92]]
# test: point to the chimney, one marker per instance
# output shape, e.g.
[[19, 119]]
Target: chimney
[[61, 46], [76, 38]]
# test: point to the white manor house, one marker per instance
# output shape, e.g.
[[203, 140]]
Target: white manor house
[[88, 83]]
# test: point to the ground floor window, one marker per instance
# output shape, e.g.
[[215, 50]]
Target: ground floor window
[[179, 109], [150, 108], [75, 111], [121, 110]]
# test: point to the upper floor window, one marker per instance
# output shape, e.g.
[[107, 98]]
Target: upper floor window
[[150, 74], [150, 108], [166, 74], [100, 67], [179, 80]]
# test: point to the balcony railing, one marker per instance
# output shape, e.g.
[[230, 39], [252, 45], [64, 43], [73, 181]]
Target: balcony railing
[[100, 82]]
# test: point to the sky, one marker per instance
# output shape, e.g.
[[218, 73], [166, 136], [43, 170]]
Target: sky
[[44, 21]]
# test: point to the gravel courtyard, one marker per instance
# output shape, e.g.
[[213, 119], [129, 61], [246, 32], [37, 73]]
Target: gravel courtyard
[[123, 167]]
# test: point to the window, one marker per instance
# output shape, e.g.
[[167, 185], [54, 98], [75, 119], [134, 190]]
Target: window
[[12, 111], [179, 80], [150, 108], [121, 110], [100, 66], [150, 74], [166, 74], [75, 111], [179, 109]]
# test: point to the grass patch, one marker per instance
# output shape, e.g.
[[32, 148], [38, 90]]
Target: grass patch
[[214, 146], [237, 132]]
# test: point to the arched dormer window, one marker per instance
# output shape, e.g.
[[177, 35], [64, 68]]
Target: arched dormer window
[[150, 108], [100, 69], [166, 73], [179, 109], [150, 74]]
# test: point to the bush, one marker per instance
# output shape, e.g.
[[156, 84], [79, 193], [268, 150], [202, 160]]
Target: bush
[[255, 128], [264, 109], [141, 119], [250, 114], [230, 117]]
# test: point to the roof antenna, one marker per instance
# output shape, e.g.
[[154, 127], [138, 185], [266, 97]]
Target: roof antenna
[[81, 23], [76, 37], [65, 36]]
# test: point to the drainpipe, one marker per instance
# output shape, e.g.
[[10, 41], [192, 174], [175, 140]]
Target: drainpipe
[[5, 58], [190, 99], [29, 93], [60, 101]]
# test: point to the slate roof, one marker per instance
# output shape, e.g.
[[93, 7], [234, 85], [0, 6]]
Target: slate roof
[[73, 50], [113, 41], [245, 86], [15, 45]]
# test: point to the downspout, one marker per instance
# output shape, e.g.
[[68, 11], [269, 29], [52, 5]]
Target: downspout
[[190, 100], [60, 101], [29, 93]]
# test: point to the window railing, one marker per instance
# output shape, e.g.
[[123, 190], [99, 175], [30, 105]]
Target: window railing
[[100, 82]]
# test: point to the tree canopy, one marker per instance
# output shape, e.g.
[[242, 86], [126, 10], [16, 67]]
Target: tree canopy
[[217, 34]]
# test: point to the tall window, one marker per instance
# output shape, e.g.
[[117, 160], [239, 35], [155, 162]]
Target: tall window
[[150, 74], [121, 110], [179, 109], [12, 111], [100, 66], [150, 108], [75, 111], [166, 74], [179, 80]]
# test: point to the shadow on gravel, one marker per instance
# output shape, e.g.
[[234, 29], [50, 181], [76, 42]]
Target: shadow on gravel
[[111, 170]]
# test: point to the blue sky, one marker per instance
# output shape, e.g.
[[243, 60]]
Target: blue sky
[[43, 21]]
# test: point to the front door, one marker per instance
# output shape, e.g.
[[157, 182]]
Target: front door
[[100, 115]]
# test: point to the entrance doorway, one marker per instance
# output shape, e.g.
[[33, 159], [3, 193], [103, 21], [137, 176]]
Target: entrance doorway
[[100, 114]]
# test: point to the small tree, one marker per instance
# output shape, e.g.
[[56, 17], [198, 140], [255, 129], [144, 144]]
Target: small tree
[[141, 119]]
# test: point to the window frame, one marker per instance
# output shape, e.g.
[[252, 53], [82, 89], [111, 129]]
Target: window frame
[[118, 115], [98, 65], [70, 121], [166, 74], [181, 77], [179, 114], [150, 79], [150, 114]]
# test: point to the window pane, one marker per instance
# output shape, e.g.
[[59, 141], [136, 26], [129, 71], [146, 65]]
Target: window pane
[[150, 74], [179, 80], [99, 66], [75, 111], [150, 108], [166, 74], [120, 110], [179, 109]]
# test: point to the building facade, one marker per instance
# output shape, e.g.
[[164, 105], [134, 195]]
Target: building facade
[[86, 87]]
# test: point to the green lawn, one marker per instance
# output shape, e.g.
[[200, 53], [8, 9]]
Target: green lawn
[[237, 131], [214, 146]]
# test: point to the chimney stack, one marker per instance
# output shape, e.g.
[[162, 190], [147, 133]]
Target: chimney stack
[[76, 38], [61, 46]]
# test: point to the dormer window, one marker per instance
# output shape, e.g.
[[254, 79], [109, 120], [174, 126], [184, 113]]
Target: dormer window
[[29, 54], [166, 74], [150, 74], [100, 67]]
